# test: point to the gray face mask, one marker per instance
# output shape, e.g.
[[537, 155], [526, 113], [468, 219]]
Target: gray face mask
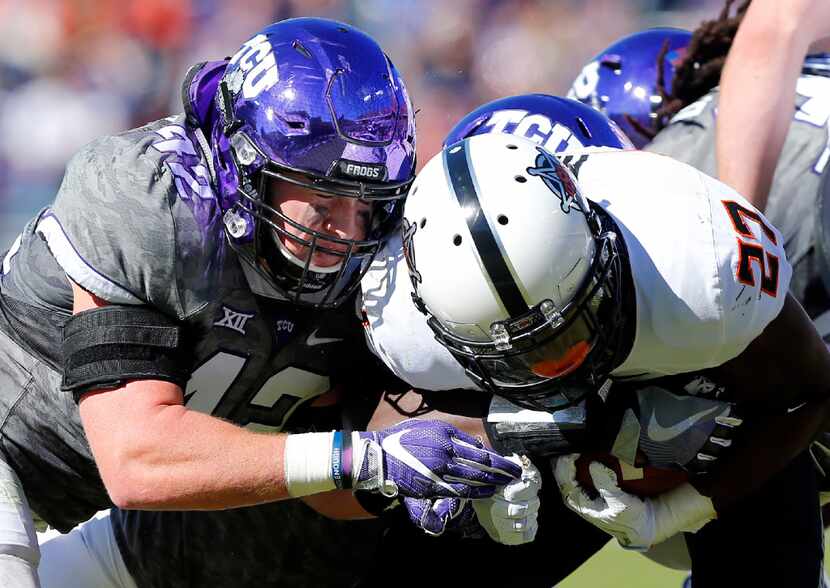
[[300, 262]]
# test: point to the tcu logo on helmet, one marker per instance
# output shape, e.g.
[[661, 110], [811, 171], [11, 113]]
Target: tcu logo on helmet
[[585, 85], [258, 67], [557, 178], [535, 127]]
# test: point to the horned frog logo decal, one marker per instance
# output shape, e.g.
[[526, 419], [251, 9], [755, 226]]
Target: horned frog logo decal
[[557, 178]]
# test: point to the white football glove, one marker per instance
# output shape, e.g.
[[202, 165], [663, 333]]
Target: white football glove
[[509, 516], [636, 523]]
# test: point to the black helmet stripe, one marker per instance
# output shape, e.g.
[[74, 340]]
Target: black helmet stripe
[[461, 177]]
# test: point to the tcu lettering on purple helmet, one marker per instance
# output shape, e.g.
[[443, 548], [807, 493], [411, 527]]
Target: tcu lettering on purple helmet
[[623, 81], [299, 106], [560, 125]]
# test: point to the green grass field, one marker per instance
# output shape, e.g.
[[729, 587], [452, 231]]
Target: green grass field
[[613, 567]]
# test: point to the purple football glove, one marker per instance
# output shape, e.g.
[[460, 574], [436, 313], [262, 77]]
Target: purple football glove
[[437, 515], [425, 459], [508, 517]]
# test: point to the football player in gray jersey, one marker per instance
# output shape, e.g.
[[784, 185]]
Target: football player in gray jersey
[[797, 198], [188, 298]]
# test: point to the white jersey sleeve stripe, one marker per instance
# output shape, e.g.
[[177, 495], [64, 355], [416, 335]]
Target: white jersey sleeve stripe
[[77, 268]]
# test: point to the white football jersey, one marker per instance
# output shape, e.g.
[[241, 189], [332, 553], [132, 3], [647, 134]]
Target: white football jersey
[[398, 333], [709, 272]]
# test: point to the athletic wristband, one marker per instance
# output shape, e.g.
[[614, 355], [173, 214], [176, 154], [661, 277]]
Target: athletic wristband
[[337, 459], [346, 460], [307, 462]]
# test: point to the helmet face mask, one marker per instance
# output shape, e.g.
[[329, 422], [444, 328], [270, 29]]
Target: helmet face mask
[[547, 338], [289, 111], [547, 359], [283, 250]]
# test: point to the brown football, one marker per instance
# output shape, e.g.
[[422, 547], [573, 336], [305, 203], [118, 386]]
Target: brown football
[[641, 481]]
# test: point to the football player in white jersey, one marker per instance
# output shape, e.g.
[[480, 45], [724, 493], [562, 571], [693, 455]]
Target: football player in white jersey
[[688, 106], [661, 271]]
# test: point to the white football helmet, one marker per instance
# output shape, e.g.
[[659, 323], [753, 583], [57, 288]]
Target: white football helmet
[[512, 267]]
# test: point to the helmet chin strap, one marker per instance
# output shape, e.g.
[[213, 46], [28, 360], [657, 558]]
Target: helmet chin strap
[[299, 262]]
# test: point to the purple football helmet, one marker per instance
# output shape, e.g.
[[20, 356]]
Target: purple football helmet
[[622, 81], [315, 103], [558, 124]]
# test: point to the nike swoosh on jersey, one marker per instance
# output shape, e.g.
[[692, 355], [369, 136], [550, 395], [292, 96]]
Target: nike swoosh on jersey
[[392, 446], [658, 432], [313, 339]]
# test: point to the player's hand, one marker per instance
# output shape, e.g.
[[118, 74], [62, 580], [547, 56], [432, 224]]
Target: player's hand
[[426, 459], [508, 517], [637, 523], [436, 516], [688, 419]]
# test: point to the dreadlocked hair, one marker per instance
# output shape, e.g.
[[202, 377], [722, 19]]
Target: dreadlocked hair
[[700, 69]]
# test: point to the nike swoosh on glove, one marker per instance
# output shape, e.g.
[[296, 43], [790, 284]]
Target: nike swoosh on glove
[[426, 459], [637, 523]]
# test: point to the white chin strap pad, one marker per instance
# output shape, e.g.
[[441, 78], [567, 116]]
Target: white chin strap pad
[[299, 262]]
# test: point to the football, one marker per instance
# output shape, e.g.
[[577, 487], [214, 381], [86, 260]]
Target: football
[[642, 481]]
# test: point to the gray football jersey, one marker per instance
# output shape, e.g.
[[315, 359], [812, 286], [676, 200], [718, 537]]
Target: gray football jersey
[[136, 222], [794, 197]]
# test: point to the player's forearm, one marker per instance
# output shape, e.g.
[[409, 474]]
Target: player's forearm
[[185, 460], [765, 448], [787, 366], [757, 97], [339, 505]]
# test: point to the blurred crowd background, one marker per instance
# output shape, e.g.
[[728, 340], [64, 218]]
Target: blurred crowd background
[[72, 70]]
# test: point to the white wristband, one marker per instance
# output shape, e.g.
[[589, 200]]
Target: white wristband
[[307, 460]]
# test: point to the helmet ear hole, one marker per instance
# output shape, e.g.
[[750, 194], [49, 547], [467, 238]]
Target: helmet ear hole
[[503, 220], [511, 146], [520, 179], [456, 240], [423, 222]]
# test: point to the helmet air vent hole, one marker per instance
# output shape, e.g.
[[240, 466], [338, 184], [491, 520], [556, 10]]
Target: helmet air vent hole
[[455, 149], [343, 29], [296, 124], [583, 127], [503, 220], [512, 146], [423, 222], [520, 179], [456, 240], [300, 48]]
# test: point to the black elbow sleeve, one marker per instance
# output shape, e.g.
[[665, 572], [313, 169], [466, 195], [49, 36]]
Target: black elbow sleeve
[[108, 346]]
